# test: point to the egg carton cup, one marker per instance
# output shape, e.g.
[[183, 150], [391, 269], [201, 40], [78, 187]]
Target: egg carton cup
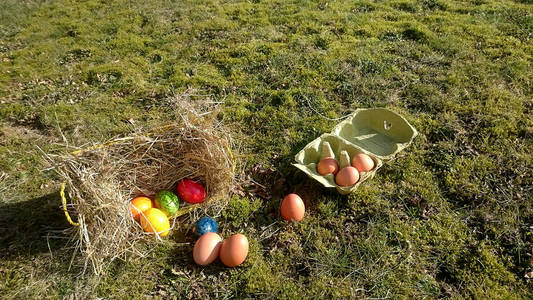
[[378, 132], [311, 155]]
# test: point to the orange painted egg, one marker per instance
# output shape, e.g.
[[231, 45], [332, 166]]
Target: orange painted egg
[[363, 162], [347, 176], [234, 250], [327, 165], [140, 204], [207, 248], [292, 208]]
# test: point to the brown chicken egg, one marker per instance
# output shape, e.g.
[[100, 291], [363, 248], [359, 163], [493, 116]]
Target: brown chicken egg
[[328, 165], [347, 176], [363, 162], [292, 208], [207, 248], [234, 250]]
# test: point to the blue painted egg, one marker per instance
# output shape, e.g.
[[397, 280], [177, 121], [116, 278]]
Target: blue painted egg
[[205, 225]]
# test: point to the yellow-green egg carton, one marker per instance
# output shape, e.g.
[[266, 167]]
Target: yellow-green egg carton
[[377, 132]]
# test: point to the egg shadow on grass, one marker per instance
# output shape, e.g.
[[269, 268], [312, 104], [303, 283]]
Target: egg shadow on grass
[[26, 227], [185, 239], [313, 193]]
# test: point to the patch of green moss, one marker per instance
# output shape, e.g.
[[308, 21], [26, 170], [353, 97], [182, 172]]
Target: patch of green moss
[[240, 210], [444, 219]]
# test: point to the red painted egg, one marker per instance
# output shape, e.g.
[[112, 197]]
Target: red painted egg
[[191, 191]]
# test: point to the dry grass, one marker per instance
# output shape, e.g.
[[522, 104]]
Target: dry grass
[[102, 179]]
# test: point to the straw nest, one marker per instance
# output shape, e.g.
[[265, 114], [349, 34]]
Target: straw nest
[[102, 179]]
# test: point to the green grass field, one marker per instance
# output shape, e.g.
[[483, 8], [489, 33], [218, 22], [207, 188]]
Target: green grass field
[[452, 216]]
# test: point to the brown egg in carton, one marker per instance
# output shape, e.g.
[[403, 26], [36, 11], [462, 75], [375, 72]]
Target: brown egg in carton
[[329, 145], [378, 133]]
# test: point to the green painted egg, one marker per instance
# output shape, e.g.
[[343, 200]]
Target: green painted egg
[[168, 202]]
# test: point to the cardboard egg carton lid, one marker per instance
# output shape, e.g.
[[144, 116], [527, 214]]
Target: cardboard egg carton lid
[[378, 132]]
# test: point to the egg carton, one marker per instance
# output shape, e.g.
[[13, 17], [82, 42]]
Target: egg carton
[[378, 132]]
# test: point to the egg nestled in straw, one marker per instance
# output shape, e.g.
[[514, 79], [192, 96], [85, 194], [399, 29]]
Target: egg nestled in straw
[[234, 250], [207, 248], [154, 220], [191, 191], [167, 202], [140, 205]]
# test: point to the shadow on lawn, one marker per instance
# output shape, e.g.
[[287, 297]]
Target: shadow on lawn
[[25, 227]]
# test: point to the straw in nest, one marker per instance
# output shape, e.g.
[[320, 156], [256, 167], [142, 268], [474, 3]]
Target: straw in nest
[[102, 179]]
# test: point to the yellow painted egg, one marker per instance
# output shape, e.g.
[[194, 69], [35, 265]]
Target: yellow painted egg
[[154, 220]]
